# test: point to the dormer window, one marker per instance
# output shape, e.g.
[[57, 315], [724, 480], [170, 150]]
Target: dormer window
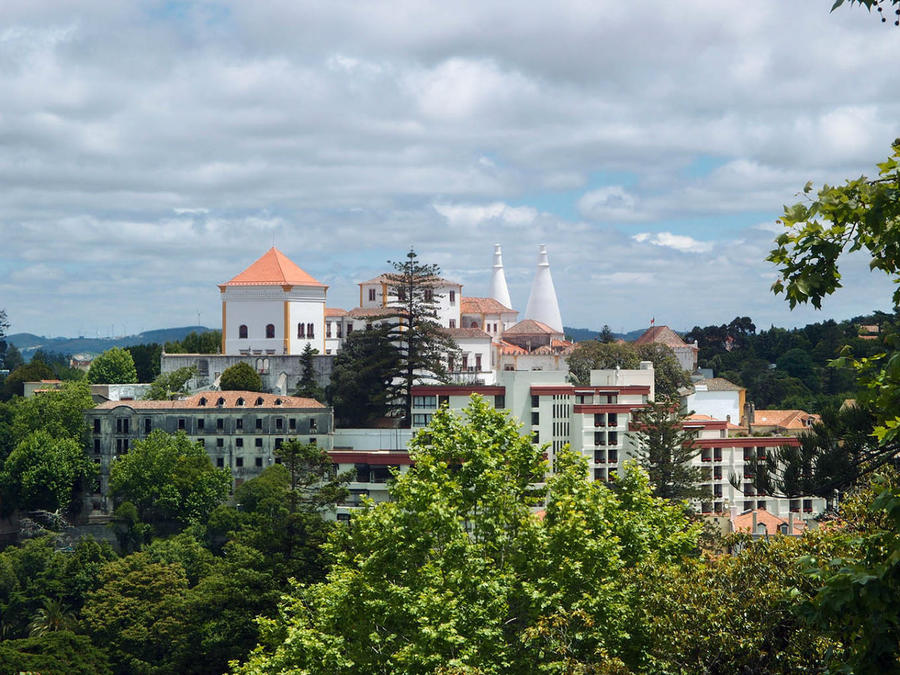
[[202, 400], [240, 401], [277, 401], [259, 401], [220, 402]]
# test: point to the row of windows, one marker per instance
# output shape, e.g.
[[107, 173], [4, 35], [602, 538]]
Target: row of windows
[[466, 363], [304, 330], [123, 424]]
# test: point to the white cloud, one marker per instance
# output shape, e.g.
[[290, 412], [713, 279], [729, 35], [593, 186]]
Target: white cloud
[[679, 242], [468, 215], [613, 203]]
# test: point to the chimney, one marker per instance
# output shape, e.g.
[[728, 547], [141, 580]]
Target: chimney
[[542, 303], [499, 290]]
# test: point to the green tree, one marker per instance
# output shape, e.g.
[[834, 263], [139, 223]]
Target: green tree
[[58, 652], [312, 483], [456, 573], [594, 355], [308, 386], [423, 345], [34, 371], [60, 413], [114, 366], [44, 472], [606, 335], [13, 357], [50, 618], [207, 342], [362, 377], [240, 377], [169, 478], [168, 386], [665, 450], [147, 359], [137, 614], [668, 375]]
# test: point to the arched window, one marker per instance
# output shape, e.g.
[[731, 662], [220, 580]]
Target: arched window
[[270, 330], [220, 402], [277, 401], [300, 333], [242, 331], [202, 400], [259, 401], [240, 401], [474, 324]]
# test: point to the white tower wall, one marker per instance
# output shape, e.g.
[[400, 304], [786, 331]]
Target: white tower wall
[[542, 303]]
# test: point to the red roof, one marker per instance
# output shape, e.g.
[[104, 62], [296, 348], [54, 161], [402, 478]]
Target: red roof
[[531, 327], [483, 306], [772, 523], [274, 268], [335, 311], [210, 399], [663, 335]]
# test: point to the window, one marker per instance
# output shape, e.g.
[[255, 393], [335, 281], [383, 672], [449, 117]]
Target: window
[[473, 324], [96, 426], [339, 330], [220, 442], [239, 461], [220, 462], [313, 426], [310, 331], [313, 441], [429, 295], [239, 442], [535, 401], [380, 474], [200, 423], [424, 401], [258, 443], [278, 442], [444, 400], [147, 425], [279, 423], [259, 423], [292, 424], [203, 367], [613, 438], [535, 418], [465, 361], [258, 462], [362, 473], [421, 419], [452, 297], [97, 446], [478, 362], [239, 424], [371, 295], [328, 329], [181, 423], [613, 420], [301, 330], [122, 426], [499, 401], [201, 442], [242, 332], [270, 330], [452, 323]]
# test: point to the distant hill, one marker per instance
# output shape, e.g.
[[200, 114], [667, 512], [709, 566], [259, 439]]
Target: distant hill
[[28, 344], [582, 334]]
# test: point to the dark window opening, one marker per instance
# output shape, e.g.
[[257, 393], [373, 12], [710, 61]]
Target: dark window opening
[[270, 330]]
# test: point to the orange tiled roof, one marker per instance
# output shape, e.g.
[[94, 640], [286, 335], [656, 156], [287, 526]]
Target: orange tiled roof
[[434, 281], [483, 306], [744, 522], [466, 333], [273, 268], [786, 419], [663, 335], [335, 311], [509, 348], [530, 327], [370, 312], [210, 399]]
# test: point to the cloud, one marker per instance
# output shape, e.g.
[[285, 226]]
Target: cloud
[[678, 242], [612, 203]]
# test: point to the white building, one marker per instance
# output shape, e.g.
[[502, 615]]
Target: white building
[[272, 307], [718, 398]]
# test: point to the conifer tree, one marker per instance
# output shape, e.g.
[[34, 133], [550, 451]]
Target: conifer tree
[[308, 387]]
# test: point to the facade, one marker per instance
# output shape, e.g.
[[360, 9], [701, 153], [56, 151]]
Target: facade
[[718, 398], [239, 429], [272, 307], [447, 295]]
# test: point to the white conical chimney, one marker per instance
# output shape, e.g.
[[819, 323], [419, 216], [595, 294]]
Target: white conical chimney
[[499, 291], [542, 303]]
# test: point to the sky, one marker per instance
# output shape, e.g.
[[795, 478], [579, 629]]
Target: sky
[[151, 150]]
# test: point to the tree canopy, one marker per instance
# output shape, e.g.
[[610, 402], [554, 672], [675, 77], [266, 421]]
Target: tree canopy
[[240, 377], [114, 366], [170, 385]]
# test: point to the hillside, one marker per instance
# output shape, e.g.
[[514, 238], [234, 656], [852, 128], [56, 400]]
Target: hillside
[[29, 343]]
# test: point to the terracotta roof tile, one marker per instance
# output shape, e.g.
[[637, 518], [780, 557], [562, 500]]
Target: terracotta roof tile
[[663, 335], [483, 306], [466, 333], [509, 348], [335, 311], [530, 327], [370, 312], [273, 268], [210, 399], [744, 522], [786, 419]]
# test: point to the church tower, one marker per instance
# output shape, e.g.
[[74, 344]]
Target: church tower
[[499, 291], [272, 307], [542, 303]]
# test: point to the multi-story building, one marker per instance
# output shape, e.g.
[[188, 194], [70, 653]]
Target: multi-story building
[[239, 429]]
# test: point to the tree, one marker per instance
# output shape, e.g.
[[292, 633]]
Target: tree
[[606, 335], [312, 484], [114, 366], [13, 357], [862, 214], [208, 342], [147, 360], [34, 371], [423, 345], [594, 355], [50, 618], [169, 478], [869, 4], [58, 652], [168, 386], [308, 386], [43, 472], [668, 375], [665, 450], [4, 325], [456, 574], [137, 613], [361, 387], [240, 377], [60, 413]]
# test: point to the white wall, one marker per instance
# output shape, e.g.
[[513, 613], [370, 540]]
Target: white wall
[[716, 404]]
